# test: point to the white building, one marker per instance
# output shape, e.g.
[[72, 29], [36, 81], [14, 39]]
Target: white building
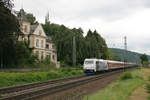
[[42, 45]]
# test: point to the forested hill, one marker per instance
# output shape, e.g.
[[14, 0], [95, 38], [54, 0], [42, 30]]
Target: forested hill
[[130, 56]]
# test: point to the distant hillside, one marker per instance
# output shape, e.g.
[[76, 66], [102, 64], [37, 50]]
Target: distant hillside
[[130, 56]]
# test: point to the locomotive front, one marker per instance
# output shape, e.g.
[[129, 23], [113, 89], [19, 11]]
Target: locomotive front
[[89, 66]]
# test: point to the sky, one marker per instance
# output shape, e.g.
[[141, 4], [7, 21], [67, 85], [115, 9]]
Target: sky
[[113, 19]]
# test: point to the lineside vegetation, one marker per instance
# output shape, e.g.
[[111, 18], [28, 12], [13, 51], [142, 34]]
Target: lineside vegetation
[[122, 88], [10, 79]]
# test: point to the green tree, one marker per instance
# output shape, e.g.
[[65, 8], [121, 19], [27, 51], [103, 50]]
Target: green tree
[[113, 56], [12, 52], [31, 18], [144, 59], [90, 46], [28, 16], [9, 31]]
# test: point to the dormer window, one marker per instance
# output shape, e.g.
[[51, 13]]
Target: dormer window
[[25, 28], [40, 32]]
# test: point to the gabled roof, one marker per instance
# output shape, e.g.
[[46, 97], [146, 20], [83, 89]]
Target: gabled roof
[[32, 28], [21, 15], [37, 29], [48, 39]]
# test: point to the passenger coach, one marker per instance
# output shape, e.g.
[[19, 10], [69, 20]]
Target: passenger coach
[[97, 65]]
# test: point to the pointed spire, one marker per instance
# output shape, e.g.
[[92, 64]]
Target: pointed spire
[[21, 15], [47, 18]]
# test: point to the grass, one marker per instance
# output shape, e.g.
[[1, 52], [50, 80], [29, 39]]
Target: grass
[[121, 89], [148, 88], [10, 79]]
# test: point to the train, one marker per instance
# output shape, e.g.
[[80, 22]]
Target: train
[[92, 66]]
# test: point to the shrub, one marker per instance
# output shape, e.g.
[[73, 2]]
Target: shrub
[[53, 75], [9, 79], [125, 76]]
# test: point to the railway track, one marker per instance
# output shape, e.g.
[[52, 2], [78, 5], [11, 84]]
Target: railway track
[[35, 90], [33, 85]]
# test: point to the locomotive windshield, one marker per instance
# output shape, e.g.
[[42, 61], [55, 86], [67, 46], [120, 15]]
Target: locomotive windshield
[[88, 62]]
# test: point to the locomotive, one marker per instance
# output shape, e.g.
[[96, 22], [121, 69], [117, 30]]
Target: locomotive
[[92, 66]]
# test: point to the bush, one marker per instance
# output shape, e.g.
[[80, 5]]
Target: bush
[[9, 79], [125, 76]]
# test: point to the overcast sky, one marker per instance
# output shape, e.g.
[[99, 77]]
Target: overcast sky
[[113, 19]]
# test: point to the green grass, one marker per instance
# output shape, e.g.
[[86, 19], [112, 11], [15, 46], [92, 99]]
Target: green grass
[[121, 89], [10, 79]]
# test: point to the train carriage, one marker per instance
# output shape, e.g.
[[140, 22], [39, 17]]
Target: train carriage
[[98, 65]]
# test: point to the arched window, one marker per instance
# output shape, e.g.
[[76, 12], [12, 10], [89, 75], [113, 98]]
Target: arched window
[[42, 43], [42, 55], [53, 57], [37, 42]]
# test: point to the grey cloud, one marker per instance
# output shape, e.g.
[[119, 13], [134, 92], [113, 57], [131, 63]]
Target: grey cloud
[[108, 10], [85, 12]]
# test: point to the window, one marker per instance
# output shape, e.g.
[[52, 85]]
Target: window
[[37, 42], [47, 46], [25, 39], [25, 28], [53, 57], [48, 56], [42, 55], [53, 46], [40, 32], [42, 43], [88, 62], [37, 53]]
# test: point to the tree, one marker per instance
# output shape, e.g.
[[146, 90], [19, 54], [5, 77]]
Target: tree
[[28, 16], [144, 59], [90, 46], [31, 18], [9, 31]]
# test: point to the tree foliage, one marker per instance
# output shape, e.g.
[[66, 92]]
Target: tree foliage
[[9, 30], [144, 59], [31, 18], [113, 56], [90, 46], [12, 52]]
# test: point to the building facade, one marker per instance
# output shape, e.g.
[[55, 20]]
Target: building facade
[[42, 44]]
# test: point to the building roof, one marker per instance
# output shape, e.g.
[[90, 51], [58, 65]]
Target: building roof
[[21, 15], [32, 28], [48, 39]]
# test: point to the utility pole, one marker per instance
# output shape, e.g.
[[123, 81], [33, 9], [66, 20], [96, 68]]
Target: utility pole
[[74, 51], [125, 50]]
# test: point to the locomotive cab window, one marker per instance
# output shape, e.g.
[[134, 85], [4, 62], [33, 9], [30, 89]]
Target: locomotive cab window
[[89, 62]]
